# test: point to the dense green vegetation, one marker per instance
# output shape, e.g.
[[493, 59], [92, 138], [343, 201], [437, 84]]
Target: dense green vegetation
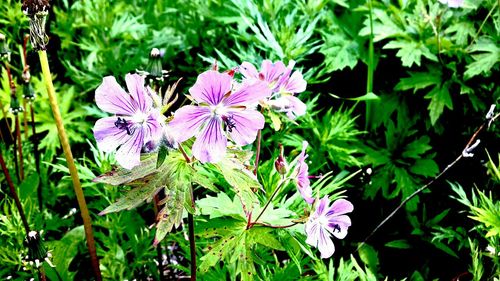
[[395, 90]]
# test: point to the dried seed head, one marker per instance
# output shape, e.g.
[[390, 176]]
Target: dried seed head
[[35, 7]]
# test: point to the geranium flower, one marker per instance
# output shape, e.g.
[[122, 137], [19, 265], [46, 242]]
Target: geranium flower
[[282, 82], [302, 176], [135, 123], [327, 221], [452, 3], [218, 107]]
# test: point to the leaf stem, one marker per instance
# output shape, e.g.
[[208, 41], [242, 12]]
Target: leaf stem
[[159, 251], [19, 146], [71, 163], [281, 184], [371, 67], [192, 246]]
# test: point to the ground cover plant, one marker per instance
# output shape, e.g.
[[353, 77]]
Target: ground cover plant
[[249, 140]]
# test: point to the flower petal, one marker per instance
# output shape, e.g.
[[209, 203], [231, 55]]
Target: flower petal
[[248, 70], [296, 84], [340, 207], [322, 206], [110, 97], [210, 145], [325, 244], [210, 87], [187, 121], [272, 71], [246, 125], [338, 226], [248, 94], [129, 154], [135, 86], [107, 135]]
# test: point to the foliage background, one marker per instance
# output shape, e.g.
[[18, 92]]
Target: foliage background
[[436, 75]]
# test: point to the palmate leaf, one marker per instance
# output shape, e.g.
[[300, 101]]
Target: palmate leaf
[[241, 179], [235, 244], [485, 60], [174, 175]]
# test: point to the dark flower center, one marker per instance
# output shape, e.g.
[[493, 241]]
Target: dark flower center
[[336, 227], [229, 121], [123, 124]]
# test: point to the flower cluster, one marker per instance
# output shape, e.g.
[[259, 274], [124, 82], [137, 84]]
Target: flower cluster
[[283, 83]]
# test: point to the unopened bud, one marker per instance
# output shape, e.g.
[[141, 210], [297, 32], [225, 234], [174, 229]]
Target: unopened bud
[[280, 163]]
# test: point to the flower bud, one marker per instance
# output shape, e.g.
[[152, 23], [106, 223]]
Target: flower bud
[[280, 163]]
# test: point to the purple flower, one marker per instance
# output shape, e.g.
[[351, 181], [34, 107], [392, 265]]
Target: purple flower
[[302, 176], [327, 221], [135, 123], [283, 84], [218, 107], [453, 3]]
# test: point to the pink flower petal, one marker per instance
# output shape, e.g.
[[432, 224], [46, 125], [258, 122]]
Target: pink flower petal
[[247, 123], [272, 71], [248, 94], [187, 121], [135, 86], [325, 244], [210, 87], [248, 70], [343, 223], [340, 207], [129, 153], [296, 84], [107, 135], [110, 97], [210, 145]]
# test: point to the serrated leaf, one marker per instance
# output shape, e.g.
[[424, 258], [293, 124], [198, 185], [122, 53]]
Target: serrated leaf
[[407, 186], [419, 80], [132, 199], [241, 179], [483, 62], [221, 206], [417, 147], [120, 175], [339, 51], [425, 167], [178, 174], [398, 244], [440, 97]]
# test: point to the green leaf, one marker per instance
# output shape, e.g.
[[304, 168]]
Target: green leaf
[[65, 250], [162, 154], [484, 61], [440, 97], [241, 179], [417, 147], [425, 167], [398, 244], [367, 97], [221, 206], [419, 80], [340, 52], [369, 256], [123, 176], [410, 52]]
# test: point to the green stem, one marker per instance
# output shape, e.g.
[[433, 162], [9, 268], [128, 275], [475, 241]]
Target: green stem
[[257, 154], [71, 163], [281, 184], [371, 67]]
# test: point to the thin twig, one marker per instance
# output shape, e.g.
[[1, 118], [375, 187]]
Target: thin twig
[[282, 183], [14, 194], [469, 143], [37, 156]]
